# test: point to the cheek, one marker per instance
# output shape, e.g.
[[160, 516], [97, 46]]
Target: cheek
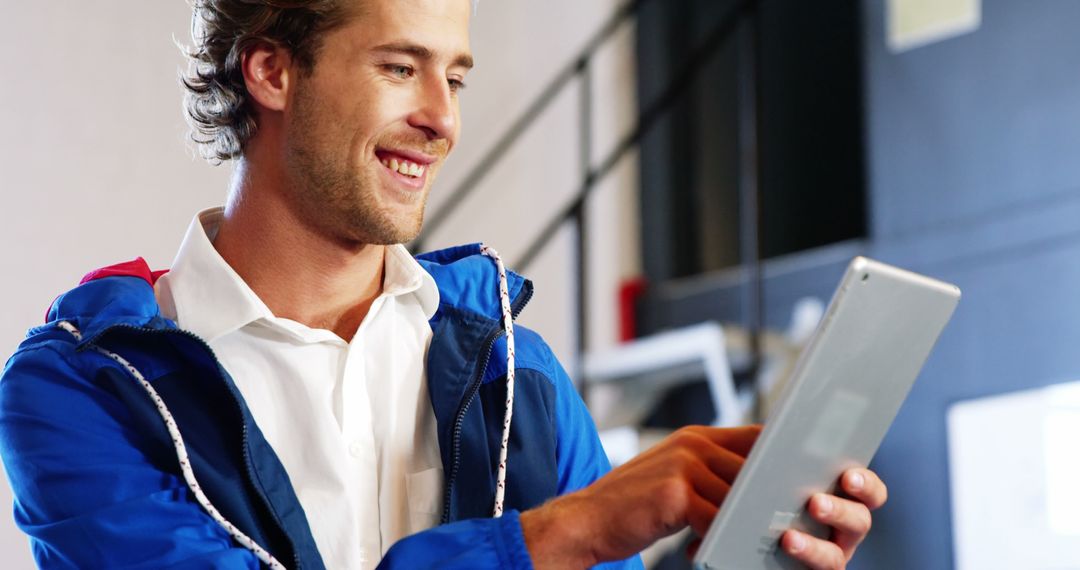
[[370, 121], [455, 134]]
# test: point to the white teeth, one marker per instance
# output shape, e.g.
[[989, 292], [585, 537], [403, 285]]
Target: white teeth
[[404, 167]]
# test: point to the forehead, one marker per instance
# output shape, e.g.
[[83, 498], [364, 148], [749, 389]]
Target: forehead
[[440, 25]]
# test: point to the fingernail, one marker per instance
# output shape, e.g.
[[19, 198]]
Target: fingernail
[[797, 543], [825, 505], [855, 481]]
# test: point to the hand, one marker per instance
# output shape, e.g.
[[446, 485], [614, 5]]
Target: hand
[[849, 519], [679, 482]]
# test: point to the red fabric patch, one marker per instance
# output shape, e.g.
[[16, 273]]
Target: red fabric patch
[[134, 268]]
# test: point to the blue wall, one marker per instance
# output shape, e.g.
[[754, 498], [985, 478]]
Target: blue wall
[[973, 168], [974, 177]]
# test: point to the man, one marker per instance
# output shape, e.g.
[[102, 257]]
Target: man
[[299, 392]]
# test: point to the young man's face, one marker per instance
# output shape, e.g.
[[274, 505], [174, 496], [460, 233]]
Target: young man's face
[[370, 126]]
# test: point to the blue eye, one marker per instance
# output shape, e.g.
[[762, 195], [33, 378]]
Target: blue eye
[[401, 71]]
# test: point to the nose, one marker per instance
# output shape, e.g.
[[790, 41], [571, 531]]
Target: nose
[[436, 111]]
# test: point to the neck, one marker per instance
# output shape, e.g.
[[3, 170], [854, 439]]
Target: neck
[[298, 272]]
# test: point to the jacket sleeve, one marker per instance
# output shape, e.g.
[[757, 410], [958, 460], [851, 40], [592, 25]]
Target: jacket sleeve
[[84, 492], [581, 457], [463, 545]]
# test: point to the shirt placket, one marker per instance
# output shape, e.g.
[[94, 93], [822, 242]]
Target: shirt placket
[[359, 443]]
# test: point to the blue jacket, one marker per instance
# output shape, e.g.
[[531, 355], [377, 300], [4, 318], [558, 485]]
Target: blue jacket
[[97, 483]]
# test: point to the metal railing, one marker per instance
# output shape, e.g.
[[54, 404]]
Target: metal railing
[[579, 69]]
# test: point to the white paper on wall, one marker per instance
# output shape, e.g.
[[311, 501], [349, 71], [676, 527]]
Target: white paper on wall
[[915, 23]]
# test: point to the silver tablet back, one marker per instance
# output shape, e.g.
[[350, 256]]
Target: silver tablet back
[[847, 387]]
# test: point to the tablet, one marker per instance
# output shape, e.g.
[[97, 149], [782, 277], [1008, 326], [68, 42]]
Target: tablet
[[845, 391]]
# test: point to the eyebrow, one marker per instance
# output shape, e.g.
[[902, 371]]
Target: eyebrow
[[420, 52]]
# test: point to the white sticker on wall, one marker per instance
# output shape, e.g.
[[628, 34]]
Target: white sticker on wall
[[914, 23], [1013, 472]]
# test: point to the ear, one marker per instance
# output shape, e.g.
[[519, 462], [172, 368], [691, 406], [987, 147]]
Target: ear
[[266, 69]]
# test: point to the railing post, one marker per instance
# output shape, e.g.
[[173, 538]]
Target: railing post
[[750, 218], [585, 109]]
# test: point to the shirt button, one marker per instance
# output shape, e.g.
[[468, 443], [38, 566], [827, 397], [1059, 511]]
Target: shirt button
[[355, 449]]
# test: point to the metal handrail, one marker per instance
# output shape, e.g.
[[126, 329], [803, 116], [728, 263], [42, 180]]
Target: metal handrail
[[525, 120]]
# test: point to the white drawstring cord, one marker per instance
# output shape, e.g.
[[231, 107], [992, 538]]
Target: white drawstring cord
[[508, 324], [182, 455]]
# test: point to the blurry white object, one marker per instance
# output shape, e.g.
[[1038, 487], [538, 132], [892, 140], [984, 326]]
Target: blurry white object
[[915, 23], [1015, 479], [780, 353], [621, 444], [805, 317], [626, 381]]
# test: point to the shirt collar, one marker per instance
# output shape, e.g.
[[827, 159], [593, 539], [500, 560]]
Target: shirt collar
[[403, 274], [208, 297], [201, 278]]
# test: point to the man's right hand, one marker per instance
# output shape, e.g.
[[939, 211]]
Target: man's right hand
[[679, 482]]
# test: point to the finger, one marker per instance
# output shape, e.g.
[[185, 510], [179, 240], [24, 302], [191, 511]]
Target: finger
[[699, 445], [709, 485], [850, 520], [738, 440], [815, 553], [865, 486], [700, 513], [723, 462]]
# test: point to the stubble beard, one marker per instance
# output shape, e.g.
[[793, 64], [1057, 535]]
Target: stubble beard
[[334, 194]]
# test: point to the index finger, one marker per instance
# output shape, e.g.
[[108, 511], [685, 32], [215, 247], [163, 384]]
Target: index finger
[[738, 440]]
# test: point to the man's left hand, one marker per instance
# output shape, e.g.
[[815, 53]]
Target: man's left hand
[[849, 518]]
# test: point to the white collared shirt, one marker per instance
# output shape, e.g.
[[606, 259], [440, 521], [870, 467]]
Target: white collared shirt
[[352, 422]]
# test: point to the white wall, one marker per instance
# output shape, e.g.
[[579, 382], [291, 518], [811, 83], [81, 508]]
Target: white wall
[[94, 167]]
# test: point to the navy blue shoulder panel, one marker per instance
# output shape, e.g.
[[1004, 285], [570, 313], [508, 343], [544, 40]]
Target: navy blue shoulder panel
[[477, 399], [532, 474], [532, 469], [454, 371]]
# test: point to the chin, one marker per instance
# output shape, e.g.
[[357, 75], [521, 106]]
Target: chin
[[407, 234], [384, 231]]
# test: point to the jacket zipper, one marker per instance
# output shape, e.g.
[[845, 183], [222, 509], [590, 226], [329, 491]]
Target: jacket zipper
[[239, 409], [470, 394]]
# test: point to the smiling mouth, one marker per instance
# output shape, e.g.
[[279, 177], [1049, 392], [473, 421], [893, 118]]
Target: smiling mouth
[[405, 167]]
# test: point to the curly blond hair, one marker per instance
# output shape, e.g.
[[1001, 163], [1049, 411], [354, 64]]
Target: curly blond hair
[[218, 107]]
